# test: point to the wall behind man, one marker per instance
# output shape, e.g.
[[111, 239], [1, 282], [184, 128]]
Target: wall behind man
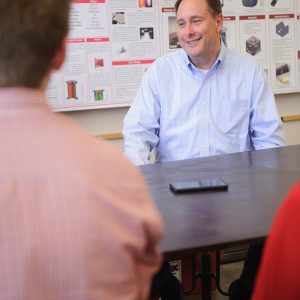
[[107, 121], [289, 105]]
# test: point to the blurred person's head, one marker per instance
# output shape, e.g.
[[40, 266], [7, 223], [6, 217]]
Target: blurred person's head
[[199, 24], [32, 35]]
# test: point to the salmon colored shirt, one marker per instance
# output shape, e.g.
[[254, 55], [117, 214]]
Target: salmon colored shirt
[[76, 218]]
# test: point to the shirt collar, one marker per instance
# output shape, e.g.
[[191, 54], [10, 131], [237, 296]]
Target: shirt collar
[[22, 98], [219, 60]]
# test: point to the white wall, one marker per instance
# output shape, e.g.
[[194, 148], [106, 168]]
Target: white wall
[[103, 121], [100, 121], [288, 105]]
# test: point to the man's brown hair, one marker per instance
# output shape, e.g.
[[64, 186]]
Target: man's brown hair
[[31, 31], [215, 6]]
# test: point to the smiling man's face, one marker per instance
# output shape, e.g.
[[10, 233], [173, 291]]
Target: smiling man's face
[[199, 32]]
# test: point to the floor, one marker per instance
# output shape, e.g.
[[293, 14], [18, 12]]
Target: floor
[[229, 272]]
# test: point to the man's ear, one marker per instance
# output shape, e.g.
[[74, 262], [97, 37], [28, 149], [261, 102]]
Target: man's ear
[[219, 22], [59, 56]]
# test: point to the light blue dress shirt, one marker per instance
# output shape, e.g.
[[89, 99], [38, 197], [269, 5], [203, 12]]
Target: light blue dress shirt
[[182, 112]]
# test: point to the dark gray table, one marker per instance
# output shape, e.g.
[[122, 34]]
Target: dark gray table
[[258, 182]]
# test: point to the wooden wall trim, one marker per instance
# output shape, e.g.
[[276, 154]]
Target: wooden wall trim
[[290, 118], [111, 136], [119, 136]]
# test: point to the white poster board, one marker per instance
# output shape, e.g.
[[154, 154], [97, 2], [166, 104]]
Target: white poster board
[[111, 43]]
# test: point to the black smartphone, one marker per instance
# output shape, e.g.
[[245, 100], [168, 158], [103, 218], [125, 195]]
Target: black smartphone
[[199, 185]]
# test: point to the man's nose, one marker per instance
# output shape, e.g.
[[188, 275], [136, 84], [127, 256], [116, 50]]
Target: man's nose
[[189, 29]]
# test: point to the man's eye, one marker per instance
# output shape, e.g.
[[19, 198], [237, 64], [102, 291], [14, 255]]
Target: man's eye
[[180, 24], [196, 21]]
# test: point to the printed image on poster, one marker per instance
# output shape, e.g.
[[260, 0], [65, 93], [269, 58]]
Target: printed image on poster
[[146, 33], [145, 3], [118, 18], [173, 38]]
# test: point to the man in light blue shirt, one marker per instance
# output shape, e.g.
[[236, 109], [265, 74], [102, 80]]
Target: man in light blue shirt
[[201, 100]]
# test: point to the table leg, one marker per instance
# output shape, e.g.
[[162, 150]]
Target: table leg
[[217, 276], [206, 276]]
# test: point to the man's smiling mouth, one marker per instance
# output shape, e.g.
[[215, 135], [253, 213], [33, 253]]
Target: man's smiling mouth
[[194, 41]]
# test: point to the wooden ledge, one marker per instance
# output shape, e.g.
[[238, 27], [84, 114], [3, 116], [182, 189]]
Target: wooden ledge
[[290, 118], [111, 136], [119, 136]]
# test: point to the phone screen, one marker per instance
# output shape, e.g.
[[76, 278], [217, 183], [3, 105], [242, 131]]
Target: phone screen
[[199, 185]]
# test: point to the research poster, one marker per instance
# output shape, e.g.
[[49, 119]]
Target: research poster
[[111, 43]]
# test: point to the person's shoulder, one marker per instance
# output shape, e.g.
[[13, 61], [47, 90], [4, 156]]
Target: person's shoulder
[[170, 58], [95, 158], [290, 206], [234, 57], [294, 193], [82, 146], [164, 66], [234, 61]]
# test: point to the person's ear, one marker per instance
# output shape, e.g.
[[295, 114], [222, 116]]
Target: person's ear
[[219, 22], [59, 56]]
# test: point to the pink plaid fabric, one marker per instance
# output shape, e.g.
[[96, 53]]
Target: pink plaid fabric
[[76, 218]]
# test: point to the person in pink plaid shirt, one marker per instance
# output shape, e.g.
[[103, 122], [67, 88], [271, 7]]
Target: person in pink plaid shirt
[[76, 218]]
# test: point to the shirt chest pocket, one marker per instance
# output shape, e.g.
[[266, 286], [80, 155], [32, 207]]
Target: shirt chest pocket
[[234, 116]]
